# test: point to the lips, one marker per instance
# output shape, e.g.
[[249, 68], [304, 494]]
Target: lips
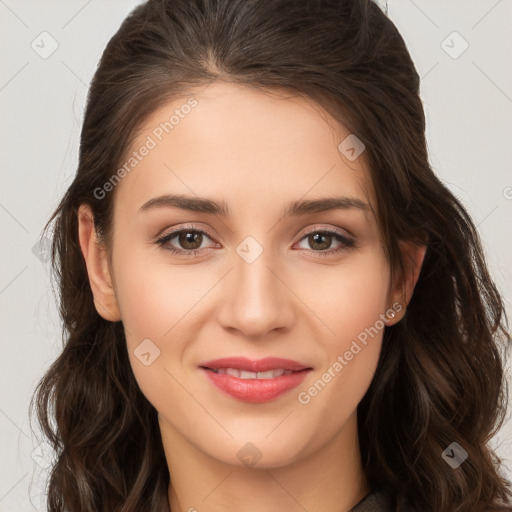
[[254, 381]]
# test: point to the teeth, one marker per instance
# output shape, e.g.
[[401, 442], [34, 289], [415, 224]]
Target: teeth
[[270, 374], [243, 374]]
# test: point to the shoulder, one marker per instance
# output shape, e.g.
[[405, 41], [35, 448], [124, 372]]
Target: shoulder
[[384, 501], [376, 501]]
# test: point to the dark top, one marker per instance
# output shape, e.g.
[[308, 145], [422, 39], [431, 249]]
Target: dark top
[[373, 502], [377, 501]]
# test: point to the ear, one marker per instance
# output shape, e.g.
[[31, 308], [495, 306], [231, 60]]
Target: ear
[[95, 255], [402, 290]]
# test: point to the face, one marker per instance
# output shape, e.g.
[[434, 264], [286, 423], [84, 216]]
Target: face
[[256, 278]]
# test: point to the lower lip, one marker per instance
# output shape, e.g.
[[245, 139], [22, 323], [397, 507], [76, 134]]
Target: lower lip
[[255, 390]]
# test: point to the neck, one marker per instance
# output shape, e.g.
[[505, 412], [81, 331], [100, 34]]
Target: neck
[[328, 480]]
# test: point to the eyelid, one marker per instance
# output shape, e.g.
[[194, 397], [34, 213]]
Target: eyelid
[[347, 241], [187, 227], [330, 229]]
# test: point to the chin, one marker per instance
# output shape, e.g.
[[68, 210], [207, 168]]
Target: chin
[[258, 450]]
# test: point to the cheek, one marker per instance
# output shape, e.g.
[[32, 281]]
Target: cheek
[[347, 298], [350, 304], [156, 303], [154, 297]]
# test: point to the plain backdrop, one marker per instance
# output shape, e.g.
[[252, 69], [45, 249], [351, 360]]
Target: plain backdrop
[[49, 52]]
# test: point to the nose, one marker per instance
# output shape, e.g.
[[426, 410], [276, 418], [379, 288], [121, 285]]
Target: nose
[[256, 299]]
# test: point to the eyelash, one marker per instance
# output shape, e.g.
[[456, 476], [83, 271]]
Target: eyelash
[[346, 243]]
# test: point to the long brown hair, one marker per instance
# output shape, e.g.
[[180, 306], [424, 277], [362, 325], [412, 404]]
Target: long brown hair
[[440, 375]]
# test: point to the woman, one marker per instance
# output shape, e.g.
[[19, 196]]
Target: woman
[[270, 300]]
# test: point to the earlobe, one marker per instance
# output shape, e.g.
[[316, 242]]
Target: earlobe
[[95, 256], [412, 256]]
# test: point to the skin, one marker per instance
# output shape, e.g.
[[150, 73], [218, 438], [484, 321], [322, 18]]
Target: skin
[[256, 151]]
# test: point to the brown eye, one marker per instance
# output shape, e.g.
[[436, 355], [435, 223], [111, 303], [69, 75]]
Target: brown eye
[[185, 241], [190, 240], [320, 241]]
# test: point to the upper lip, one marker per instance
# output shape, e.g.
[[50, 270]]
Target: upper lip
[[251, 365]]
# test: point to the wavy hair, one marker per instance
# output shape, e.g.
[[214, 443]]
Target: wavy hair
[[440, 377]]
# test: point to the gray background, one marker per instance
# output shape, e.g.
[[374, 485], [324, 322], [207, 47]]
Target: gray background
[[468, 102]]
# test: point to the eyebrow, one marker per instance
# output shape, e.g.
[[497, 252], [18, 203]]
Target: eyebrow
[[293, 209]]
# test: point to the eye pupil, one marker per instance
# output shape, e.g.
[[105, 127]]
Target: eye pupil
[[187, 238], [313, 239]]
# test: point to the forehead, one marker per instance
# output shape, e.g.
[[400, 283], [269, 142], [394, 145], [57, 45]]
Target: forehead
[[244, 145]]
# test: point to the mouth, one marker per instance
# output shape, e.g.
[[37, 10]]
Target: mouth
[[254, 381], [244, 374]]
